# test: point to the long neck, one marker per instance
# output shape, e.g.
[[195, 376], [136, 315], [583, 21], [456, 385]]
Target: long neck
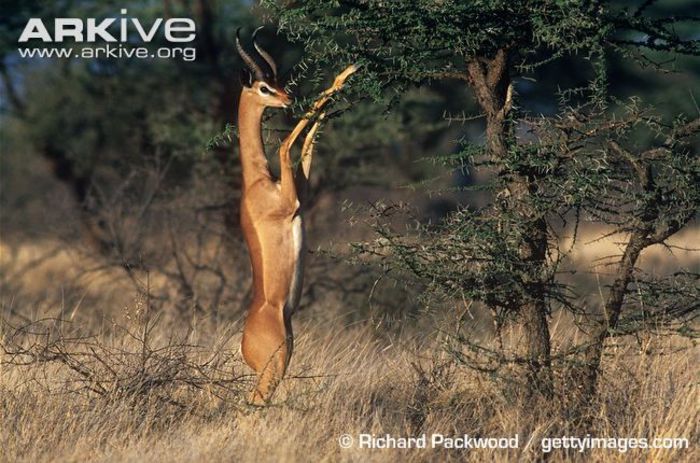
[[252, 151]]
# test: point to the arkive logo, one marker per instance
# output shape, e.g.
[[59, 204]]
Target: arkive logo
[[124, 31], [175, 29]]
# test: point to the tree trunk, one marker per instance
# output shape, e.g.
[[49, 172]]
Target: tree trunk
[[643, 235], [535, 311], [490, 80], [613, 307]]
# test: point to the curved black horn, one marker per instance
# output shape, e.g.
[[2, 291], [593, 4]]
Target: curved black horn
[[259, 75], [265, 55]]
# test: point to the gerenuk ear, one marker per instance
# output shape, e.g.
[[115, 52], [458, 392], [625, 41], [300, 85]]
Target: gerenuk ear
[[245, 77]]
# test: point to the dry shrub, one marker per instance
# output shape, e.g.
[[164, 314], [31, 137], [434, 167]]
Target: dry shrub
[[94, 369], [343, 379]]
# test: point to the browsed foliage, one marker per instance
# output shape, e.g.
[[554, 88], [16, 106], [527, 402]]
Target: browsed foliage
[[595, 159]]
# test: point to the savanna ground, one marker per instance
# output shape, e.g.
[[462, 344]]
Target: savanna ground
[[104, 364]]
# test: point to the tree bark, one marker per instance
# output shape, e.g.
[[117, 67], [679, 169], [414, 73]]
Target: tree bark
[[613, 307], [490, 80], [639, 239]]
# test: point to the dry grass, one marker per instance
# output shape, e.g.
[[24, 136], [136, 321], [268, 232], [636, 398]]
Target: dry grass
[[347, 377], [363, 386]]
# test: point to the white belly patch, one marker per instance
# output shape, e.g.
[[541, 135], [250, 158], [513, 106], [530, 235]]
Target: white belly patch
[[297, 277]]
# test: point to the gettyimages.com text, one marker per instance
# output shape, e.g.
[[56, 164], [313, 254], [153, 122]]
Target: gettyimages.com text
[[544, 444]]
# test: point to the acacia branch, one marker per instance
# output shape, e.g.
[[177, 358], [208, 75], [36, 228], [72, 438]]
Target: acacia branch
[[318, 106]]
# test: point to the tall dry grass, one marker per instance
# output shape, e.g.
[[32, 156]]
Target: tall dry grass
[[348, 376], [343, 381]]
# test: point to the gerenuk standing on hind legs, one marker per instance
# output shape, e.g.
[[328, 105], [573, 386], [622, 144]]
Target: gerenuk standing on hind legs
[[271, 219]]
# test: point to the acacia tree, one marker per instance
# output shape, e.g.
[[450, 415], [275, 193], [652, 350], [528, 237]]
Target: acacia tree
[[583, 161]]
